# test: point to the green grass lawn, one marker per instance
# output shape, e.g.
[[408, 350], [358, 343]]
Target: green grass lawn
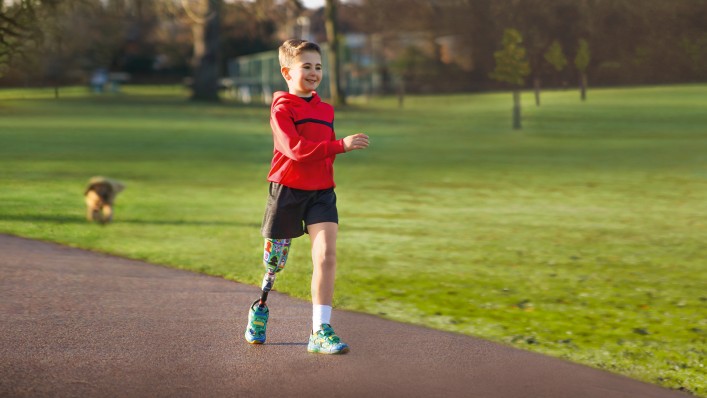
[[582, 236]]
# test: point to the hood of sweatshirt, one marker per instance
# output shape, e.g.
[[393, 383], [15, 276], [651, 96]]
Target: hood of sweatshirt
[[283, 97]]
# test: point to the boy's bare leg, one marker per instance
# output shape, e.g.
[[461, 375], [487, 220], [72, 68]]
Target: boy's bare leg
[[323, 236], [323, 340]]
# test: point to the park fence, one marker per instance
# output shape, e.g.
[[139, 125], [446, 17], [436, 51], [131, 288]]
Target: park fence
[[254, 78]]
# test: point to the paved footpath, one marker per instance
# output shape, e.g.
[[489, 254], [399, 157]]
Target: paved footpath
[[81, 324]]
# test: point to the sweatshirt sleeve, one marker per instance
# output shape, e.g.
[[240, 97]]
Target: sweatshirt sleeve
[[291, 144]]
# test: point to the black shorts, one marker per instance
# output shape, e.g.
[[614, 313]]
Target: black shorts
[[289, 211]]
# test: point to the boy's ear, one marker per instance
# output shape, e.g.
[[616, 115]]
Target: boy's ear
[[285, 72]]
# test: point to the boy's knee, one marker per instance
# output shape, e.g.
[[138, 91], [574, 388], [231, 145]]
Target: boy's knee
[[324, 255]]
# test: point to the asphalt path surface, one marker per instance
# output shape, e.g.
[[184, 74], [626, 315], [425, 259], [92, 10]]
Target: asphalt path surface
[[82, 324]]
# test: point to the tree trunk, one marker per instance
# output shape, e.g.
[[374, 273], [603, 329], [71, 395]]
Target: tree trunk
[[516, 110], [337, 95], [58, 68], [583, 86], [206, 47], [401, 93], [536, 84]]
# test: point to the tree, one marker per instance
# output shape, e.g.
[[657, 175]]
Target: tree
[[512, 67], [410, 62], [44, 48], [537, 43], [16, 28], [206, 21], [537, 22], [556, 57], [581, 61], [332, 32]]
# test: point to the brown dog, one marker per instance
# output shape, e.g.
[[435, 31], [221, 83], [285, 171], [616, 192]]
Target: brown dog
[[100, 197]]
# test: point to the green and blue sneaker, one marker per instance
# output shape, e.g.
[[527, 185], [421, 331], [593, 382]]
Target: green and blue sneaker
[[257, 322], [325, 341]]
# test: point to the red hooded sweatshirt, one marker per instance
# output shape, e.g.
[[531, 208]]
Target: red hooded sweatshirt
[[305, 144]]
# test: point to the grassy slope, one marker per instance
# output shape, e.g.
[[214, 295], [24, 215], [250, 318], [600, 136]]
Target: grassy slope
[[581, 236]]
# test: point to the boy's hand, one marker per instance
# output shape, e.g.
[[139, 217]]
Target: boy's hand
[[356, 141]]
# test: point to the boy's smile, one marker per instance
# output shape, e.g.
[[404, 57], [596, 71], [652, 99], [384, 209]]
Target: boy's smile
[[305, 74]]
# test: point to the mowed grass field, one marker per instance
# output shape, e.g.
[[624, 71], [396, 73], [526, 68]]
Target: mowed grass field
[[582, 236]]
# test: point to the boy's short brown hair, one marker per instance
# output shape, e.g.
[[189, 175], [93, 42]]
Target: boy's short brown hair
[[292, 48]]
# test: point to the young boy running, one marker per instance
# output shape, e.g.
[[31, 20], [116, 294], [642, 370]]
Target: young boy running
[[301, 197]]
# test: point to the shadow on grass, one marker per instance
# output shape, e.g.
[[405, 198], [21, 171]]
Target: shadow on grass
[[50, 218], [59, 219], [187, 222]]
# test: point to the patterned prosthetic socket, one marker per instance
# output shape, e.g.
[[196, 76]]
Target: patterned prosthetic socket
[[275, 254], [274, 258]]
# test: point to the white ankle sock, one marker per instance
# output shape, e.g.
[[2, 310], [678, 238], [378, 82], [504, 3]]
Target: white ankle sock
[[320, 314]]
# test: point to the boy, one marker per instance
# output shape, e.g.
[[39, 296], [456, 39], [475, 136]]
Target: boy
[[301, 197]]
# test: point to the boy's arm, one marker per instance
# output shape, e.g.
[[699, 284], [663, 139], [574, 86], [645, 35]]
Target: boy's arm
[[292, 145]]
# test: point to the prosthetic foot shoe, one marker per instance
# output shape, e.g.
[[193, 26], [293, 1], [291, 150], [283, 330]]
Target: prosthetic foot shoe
[[325, 341], [257, 322]]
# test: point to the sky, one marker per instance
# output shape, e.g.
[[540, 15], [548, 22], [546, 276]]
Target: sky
[[313, 3], [306, 3]]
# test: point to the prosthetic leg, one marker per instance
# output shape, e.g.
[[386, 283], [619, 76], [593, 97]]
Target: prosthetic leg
[[274, 259]]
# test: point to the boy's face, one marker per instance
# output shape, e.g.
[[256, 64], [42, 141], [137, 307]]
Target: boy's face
[[304, 74]]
